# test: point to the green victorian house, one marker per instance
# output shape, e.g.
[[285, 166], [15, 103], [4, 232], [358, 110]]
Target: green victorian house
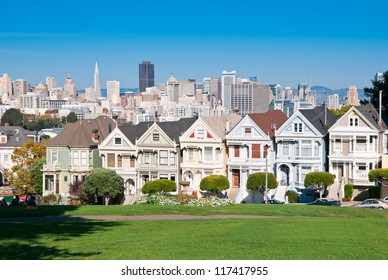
[[74, 153]]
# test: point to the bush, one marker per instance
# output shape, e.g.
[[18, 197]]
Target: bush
[[50, 199], [159, 186], [160, 199], [348, 191], [256, 181], [292, 196], [374, 192], [214, 183]]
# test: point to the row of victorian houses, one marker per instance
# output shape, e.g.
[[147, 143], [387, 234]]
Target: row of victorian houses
[[190, 149]]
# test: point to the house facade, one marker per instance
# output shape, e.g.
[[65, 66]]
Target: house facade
[[358, 141], [204, 150], [73, 154], [302, 146], [251, 150]]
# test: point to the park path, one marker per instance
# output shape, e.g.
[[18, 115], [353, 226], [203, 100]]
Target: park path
[[136, 218]]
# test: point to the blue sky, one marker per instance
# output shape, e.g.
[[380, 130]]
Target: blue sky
[[330, 43]]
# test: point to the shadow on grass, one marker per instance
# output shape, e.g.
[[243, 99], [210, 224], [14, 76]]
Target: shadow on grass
[[42, 210], [47, 240]]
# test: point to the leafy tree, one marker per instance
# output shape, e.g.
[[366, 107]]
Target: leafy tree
[[319, 180], [77, 195], [214, 183], [103, 182], [256, 181], [378, 174], [71, 117], [19, 175], [159, 186], [13, 117], [373, 91], [37, 175], [341, 111]]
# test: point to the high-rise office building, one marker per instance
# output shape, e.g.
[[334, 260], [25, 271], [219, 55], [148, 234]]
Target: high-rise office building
[[352, 96], [5, 87], [333, 101], [96, 85], [19, 87], [146, 75], [69, 88], [172, 89], [50, 82], [379, 76], [228, 79], [187, 88], [113, 92]]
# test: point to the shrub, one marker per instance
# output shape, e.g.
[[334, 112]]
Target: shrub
[[348, 191], [214, 183], [256, 181], [374, 192], [50, 199], [292, 196], [160, 199], [159, 186]]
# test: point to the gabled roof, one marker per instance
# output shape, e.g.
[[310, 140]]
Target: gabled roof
[[371, 114], [317, 118], [175, 129], [267, 120], [16, 136], [218, 124], [79, 134], [133, 132]]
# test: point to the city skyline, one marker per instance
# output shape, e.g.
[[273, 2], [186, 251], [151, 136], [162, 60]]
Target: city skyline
[[332, 45]]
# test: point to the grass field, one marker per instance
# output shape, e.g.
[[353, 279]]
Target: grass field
[[319, 233]]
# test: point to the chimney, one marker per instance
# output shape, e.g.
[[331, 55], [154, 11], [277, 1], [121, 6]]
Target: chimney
[[110, 127], [227, 128], [95, 136], [380, 122]]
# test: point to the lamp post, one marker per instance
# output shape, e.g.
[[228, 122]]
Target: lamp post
[[266, 175]]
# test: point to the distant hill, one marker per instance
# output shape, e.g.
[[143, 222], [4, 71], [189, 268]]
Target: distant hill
[[322, 91]]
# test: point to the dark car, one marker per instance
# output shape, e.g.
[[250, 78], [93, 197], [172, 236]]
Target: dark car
[[273, 201], [325, 202]]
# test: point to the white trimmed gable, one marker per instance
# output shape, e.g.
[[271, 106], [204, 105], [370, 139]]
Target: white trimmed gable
[[155, 137], [116, 140], [247, 129], [296, 126], [352, 120], [199, 132]]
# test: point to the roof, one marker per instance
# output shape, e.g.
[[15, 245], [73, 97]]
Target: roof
[[267, 120], [317, 118], [133, 132], [16, 136], [218, 124], [79, 134], [371, 114], [175, 129]]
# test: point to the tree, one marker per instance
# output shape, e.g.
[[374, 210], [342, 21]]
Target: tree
[[19, 175], [37, 176], [13, 117], [159, 186], [103, 182], [319, 180], [214, 183], [377, 86], [342, 111], [256, 181], [71, 117]]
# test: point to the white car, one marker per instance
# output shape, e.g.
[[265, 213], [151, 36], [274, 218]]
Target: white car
[[371, 203], [385, 199]]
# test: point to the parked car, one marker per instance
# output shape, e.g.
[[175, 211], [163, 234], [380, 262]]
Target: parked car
[[385, 199], [273, 201], [325, 202], [371, 203]]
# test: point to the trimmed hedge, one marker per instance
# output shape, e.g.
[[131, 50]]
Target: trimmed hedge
[[292, 196], [256, 181], [214, 183], [159, 186], [349, 191]]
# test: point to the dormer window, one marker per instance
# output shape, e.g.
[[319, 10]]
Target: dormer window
[[248, 130], [155, 137], [353, 121], [117, 141], [200, 133], [298, 127]]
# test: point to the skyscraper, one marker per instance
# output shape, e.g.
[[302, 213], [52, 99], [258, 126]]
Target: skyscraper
[[146, 75], [113, 92], [69, 88], [228, 79], [19, 87], [5, 86], [352, 96], [50, 82], [96, 85]]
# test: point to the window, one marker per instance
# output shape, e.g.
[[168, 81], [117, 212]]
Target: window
[[163, 176], [6, 159], [76, 158], [236, 151], [316, 149], [265, 151], [208, 154], [111, 160], [217, 155], [353, 121], [337, 145], [117, 141], [248, 130], [200, 133], [286, 148], [119, 161], [84, 158], [256, 151], [306, 148], [361, 143], [147, 158], [163, 157], [65, 178], [305, 170], [190, 154], [298, 127], [172, 158], [155, 137], [54, 157]]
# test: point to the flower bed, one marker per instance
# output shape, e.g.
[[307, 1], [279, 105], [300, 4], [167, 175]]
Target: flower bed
[[160, 199]]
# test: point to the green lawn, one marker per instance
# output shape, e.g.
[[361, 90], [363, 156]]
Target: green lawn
[[321, 233]]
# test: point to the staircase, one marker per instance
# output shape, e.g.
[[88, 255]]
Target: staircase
[[334, 190], [280, 193], [232, 193]]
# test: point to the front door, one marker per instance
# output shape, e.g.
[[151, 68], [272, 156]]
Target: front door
[[235, 178]]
